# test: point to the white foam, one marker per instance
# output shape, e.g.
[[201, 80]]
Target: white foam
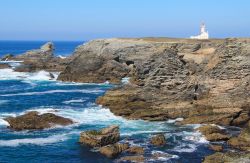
[[3, 122], [163, 156], [74, 101], [125, 80], [54, 91], [10, 74], [62, 57], [188, 148], [34, 141], [175, 120], [196, 137]]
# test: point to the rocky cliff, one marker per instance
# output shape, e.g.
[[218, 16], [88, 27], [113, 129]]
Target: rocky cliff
[[202, 81]]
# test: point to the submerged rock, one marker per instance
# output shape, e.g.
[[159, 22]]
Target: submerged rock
[[136, 150], [137, 159], [158, 140], [106, 136], [33, 120], [213, 133], [113, 150]]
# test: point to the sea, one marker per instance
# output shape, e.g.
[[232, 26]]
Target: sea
[[23, 92]]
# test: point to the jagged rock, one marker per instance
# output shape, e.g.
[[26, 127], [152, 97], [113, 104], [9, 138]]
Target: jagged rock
[[229, 157], [40, 59], [100, 138], [213, 133], [242, 141], [113, 150], [201, 81], [136, 150], [32, 120], [136, 159], [158, 140], [7, 57]]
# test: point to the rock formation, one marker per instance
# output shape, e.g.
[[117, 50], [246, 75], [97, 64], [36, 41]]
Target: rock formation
[[158, 140], [213, 133], [39, 59], [33, 120], [100, 138]]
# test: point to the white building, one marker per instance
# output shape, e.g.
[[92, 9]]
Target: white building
[[203, 33]]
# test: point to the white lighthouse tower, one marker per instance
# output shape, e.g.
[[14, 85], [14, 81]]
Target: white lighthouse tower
[[203, 33]]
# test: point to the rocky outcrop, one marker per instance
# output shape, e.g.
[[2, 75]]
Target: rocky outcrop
[[137, 159], [229, 157], [113, 150], [39, 59], [136, 150], [209, 85], [33, 120], [242, 141], [213, 133], [158, 140], [106, 136]]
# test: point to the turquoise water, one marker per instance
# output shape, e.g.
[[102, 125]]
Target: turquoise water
[[63, 48], [22, 92]]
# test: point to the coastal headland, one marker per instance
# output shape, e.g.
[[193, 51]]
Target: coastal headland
[[201, 81]]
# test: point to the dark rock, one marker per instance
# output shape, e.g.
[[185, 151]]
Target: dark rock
[[213, 133], [229, 157], [136, 159], [100, 138], [136, 150], [32, 120], [242, 141], [217, 148], [113, 150], [158, 140], [7, 57]]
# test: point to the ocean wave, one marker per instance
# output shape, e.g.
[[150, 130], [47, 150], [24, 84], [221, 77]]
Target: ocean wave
[[10, 74], [74, 101], [54, 91], [34, 141], [185, 147], [3, 101]]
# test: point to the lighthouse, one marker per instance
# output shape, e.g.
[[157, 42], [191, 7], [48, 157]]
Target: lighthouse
[[203, 33]]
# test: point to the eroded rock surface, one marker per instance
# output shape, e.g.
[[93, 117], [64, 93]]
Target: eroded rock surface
[[33, 120], [213, 133], [229, 157], [39, 59], [242, 141], [158, 140], [106, 136]]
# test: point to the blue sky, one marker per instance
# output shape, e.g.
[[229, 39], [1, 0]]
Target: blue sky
[[90, 19]]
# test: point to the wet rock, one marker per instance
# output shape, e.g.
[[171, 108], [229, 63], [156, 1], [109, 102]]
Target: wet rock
[[33, 120], [213, 133], [7, 57], [106, 136], [113, 150], [40, 59], [242, 141], [3, 66], [158, 140], [228, 157], [137, 159], [136, 150], [217, 148]]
